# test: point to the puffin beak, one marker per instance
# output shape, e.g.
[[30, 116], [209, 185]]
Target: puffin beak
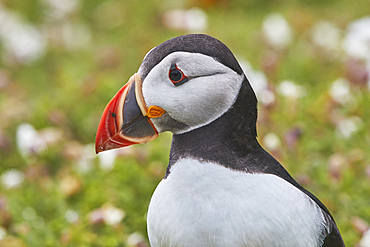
[[126, 119]]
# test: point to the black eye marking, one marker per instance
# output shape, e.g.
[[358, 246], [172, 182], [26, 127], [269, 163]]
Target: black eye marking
[[176, 76]]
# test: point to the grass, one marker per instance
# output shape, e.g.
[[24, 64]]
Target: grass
[[67, 88]]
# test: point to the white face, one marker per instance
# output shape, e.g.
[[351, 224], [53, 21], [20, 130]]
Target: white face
[[211, 90]]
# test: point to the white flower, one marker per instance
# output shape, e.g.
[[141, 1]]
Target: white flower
[[291, 90], [277, 30], [368, 69], [271, 141], [192, 20], [51, 135], [12, 178], [348, 126], [326, 35], [365, 240], [85, 161], [340, 91], [22, 40], [196, 20], [59, 9], [89, 151], [357, 40], [258, 81], [112, 215], [267, 97], [2, 233], [84, 166], [28, 140], [107, 214], [134, 239], [71, 216]]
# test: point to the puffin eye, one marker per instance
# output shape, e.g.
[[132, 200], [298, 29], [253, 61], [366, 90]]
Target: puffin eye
[[176, 76]]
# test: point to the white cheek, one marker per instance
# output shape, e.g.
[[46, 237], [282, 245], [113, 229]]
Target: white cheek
[[205, 99], [199, 101]]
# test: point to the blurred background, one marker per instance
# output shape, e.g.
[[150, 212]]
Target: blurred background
[[61, 61]]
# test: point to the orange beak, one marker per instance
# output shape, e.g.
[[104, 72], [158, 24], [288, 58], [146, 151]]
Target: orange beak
[[126, 119]]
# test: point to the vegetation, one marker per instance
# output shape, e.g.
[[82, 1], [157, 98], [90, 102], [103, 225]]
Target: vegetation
[[54, 191]]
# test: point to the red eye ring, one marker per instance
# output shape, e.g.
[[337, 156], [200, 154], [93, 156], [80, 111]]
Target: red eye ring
[[176, 76]]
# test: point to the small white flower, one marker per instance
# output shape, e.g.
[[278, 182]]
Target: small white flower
[[71, 216], [134, 239], [2, 233], [258, 81], [326, 35], [368, 78], [357, 40], [348, 126], [192, 20], [22, 40], [59, 9], [267, 97], [365, 240], [85, 162], [196, 20], [28, 141], [340, 91], [89, 151], [271, 141], [112, 215], [12, 178], [277, 30], [84, 165], [291, 90], [51, 135]]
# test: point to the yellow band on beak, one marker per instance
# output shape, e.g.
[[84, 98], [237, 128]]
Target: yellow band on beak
[[151, 112], [155, 111], [139, 93]]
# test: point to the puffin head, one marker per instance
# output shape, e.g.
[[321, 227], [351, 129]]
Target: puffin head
[[183, 84]]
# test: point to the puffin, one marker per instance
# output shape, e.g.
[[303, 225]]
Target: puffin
[[221, 188]]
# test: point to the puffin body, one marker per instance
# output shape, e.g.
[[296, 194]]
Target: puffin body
[[205, 204], [221, 187]]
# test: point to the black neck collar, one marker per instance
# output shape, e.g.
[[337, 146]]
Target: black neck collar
[[229, 141]]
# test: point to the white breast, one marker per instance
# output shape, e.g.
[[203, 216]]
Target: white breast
[[205, 204]]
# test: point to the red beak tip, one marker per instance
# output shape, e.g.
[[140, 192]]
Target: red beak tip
[[97, 150]]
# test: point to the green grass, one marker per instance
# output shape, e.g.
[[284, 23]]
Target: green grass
[[67, 90]]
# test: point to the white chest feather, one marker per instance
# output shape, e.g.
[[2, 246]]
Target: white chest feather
[[203, 204]]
